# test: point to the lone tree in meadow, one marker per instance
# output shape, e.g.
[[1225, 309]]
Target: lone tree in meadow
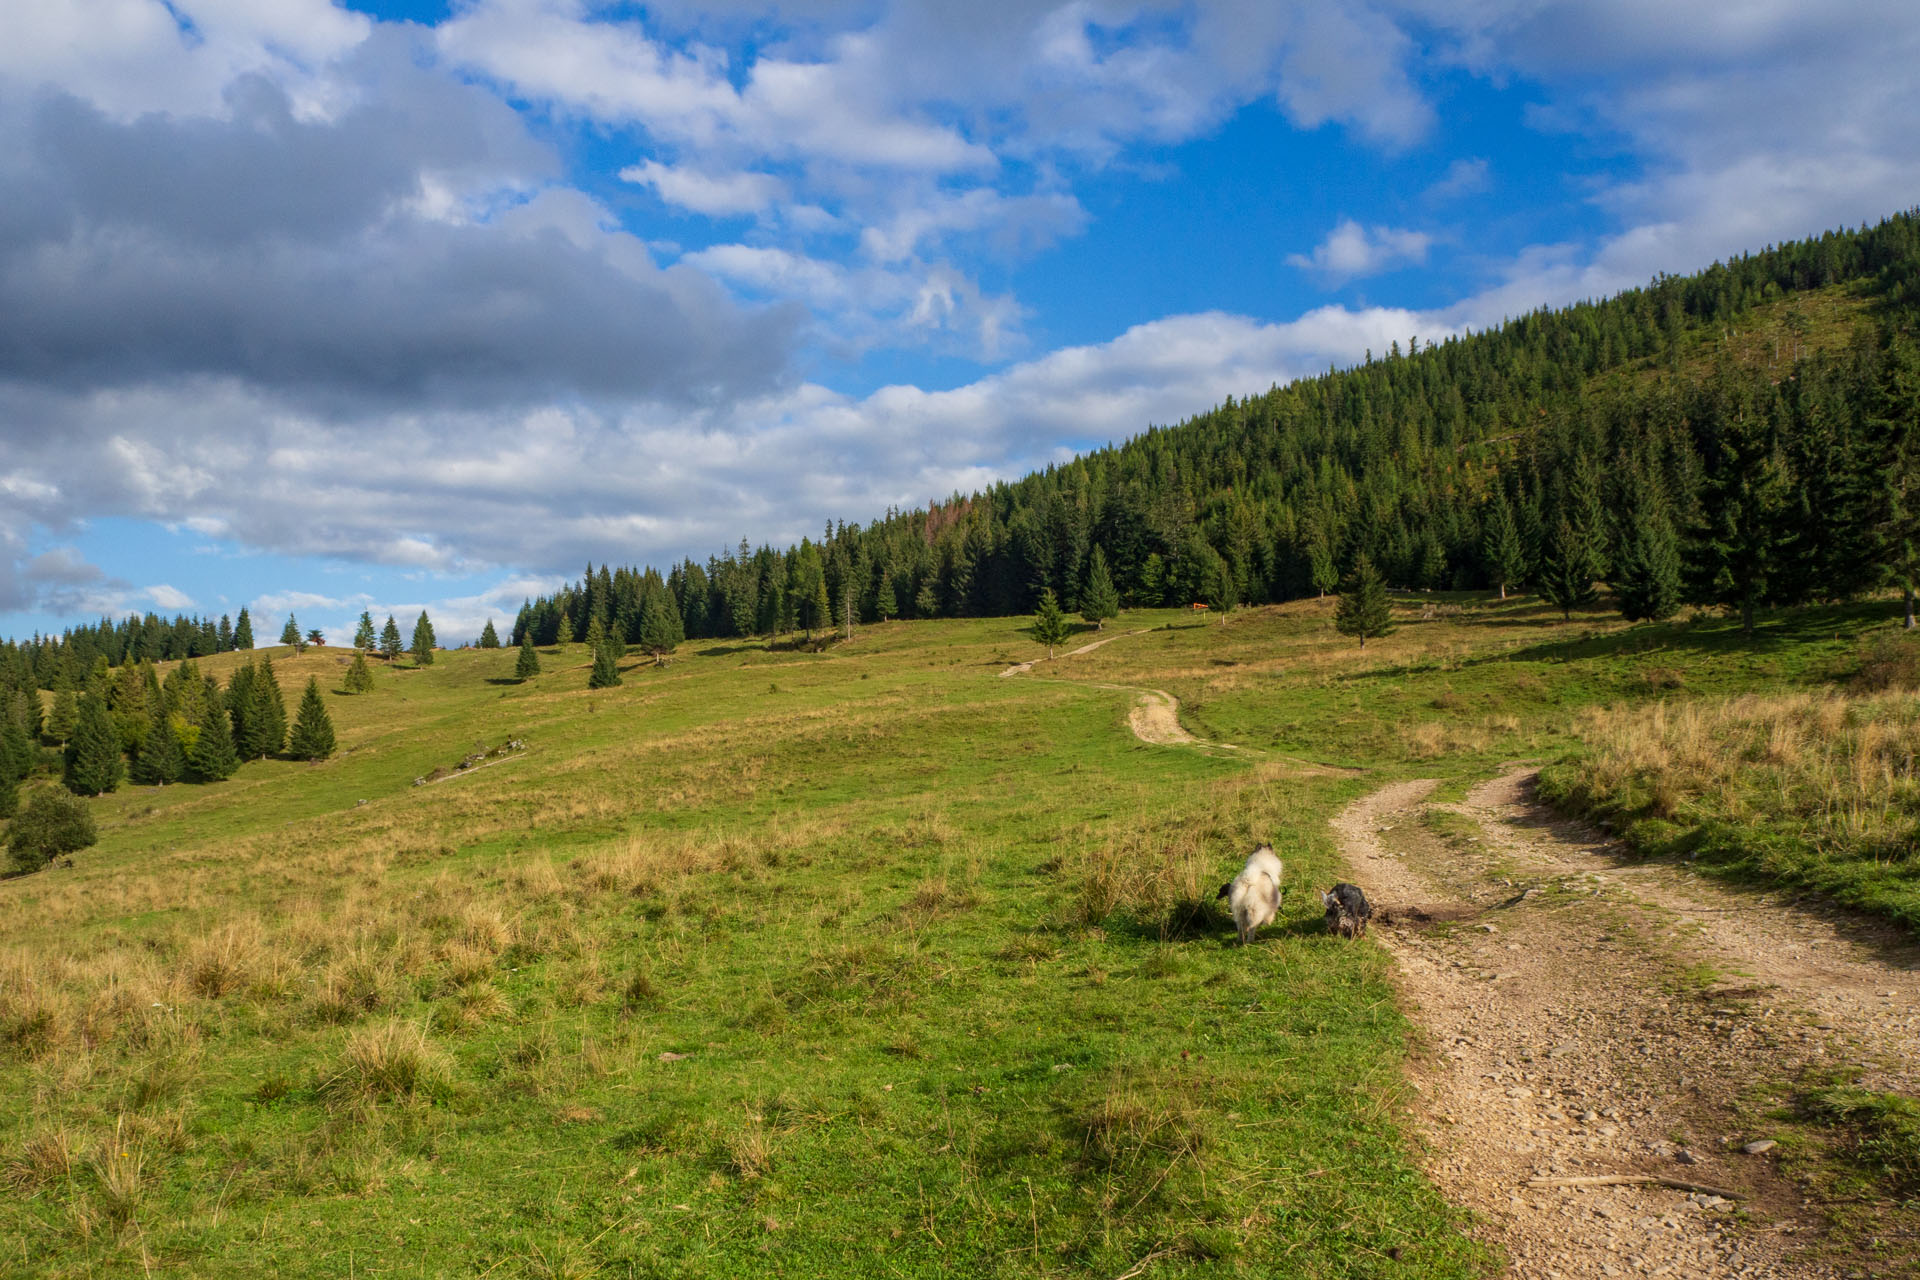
[[660, 628], [1364, 610], [1049, 623], [363, 634], [359, 675], [390, 646], [527, 665], [93, 765], [606, 656], [489, 638], [423, 641], [312, 737], [290, 634], [1099, 600], [1567, 569]]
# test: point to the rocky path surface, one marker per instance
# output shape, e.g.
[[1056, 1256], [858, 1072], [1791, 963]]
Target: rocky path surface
[[1587, 1017]]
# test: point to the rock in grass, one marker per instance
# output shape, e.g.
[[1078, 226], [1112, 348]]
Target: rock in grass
[[1759, 1146]]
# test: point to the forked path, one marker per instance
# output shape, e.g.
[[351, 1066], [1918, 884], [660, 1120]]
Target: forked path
[[1589, 1017]]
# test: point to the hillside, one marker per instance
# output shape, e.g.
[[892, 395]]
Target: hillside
[[764, 961]]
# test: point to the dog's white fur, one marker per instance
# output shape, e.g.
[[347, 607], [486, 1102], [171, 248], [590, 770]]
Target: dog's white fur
[[1254, 894]]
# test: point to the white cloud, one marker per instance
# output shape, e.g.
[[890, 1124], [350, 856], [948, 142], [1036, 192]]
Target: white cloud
[[1351, 251], [1464, 177], [715, 195], [169, 598]]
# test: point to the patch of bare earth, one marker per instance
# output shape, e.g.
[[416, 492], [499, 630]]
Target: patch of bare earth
[[1587, 1017]]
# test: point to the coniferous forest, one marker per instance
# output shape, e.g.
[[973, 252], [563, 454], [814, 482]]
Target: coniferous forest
[[1744, 438]]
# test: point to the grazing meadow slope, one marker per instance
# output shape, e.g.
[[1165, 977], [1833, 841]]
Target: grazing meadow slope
[[775, 962]]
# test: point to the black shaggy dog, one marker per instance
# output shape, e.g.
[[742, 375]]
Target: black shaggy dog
[[1347, 910]]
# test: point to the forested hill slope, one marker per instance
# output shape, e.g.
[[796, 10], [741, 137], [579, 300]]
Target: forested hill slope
[[1753, 422]]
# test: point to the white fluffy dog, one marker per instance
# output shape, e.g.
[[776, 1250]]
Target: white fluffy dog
[[1254, 894]]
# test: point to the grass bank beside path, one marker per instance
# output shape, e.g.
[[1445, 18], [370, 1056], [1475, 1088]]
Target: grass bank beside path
[[767, 961]]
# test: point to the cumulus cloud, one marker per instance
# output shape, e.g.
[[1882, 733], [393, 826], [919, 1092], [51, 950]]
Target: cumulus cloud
[[1351, 251], [169, 598], [715, 195]]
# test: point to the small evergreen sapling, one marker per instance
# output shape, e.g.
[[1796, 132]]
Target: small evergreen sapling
[[312, 737], [489, 638], [359, 674], [1364, 610], [1049, 623], [528, 664], [363, 637], [606, 656]]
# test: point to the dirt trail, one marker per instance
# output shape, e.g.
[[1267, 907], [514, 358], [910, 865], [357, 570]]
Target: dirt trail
[[1019, 667], [1589, 1017]]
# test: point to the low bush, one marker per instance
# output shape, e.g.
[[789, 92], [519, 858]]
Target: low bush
[[54, 822]]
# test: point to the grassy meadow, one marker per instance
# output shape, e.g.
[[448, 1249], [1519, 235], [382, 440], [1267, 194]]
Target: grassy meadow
[[775, 962]]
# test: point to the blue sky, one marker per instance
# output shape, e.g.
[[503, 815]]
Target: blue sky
[[321, 308]]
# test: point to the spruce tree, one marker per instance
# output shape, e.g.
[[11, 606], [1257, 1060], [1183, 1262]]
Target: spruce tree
[[605, 649], [1098, 599], [160, 760], [93, 765], [528, 664], [290, 634], [423, 641], [363, 637], [1567, 569], [1505, 552], [1217, 588], [1153, 581], [1646, 575], [213, 758], [390, 647], [658, 632], [312, 736], [243, 631], [1364, 610], [65, 716], [359, 674], [1049, 622], [489, 638], [1321, 572], [266, 717], [926, 603], [226, 634]]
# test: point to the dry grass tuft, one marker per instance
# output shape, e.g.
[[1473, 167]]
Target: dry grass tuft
[[47, 1157], [393, 1061], [224, 961]]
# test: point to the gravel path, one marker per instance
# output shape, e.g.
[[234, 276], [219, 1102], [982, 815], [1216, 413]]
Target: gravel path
[[1587, 1017]]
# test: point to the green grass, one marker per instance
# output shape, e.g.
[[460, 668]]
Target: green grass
[[774, 962]]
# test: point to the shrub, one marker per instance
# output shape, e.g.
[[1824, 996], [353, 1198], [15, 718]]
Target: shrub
[[1889, 660], [54, 822]]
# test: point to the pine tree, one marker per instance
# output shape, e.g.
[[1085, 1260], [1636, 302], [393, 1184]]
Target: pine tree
[[1646, 576], [243, 631], [423, 641], [1364, 610], [359, 674], [1506, 554], [1098, 599], [1567, 569], [290, 634], [363, 637], [658, 632], [1049, 623], [213, 758], [65, 716], [528, 664], [312, 737], [266, 716], [605, 649], [226, 634], [489, 638], [93, 764], [390, 647], [160, 760]]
